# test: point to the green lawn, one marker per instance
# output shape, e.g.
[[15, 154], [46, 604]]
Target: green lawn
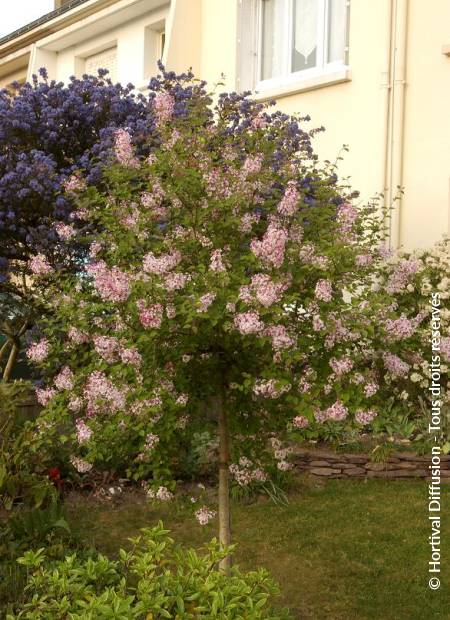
[[343, 550]]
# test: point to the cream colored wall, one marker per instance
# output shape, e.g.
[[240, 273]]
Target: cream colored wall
[[218, 39], [18, 75], [427, 128]]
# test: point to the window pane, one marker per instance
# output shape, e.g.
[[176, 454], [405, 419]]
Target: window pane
[[305, 24], [337, 21], [272, 39]]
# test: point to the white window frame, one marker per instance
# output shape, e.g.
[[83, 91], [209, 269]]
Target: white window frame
[[253, 34], [153, 45]]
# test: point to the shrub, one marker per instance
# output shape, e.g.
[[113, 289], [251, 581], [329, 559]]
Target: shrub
[[156, 579], [411, 280], [24, 457]]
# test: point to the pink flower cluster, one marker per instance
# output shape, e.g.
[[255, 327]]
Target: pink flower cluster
[[346, 217], [216, 184], [245, 472], [445, 348], [370, 389], [204, 515], [163, 105], [395, 365], [38, 351], [400, 328], [300, 422], [364, 260], [151, 316], [102, 395], [317, 323], [259, 122], [65, 231], [365, 417], [280, 337], [270, 249], [149, 403], [80, 465], [402, 275], [248, 323], [75, 404], [123, 149], [175, 281], [64, 379], [44, 396], [337, 412], [341, 366], [205, 301], [160, 265], [266, 291], [270, 388], [39, 265], [74, 184], [152, 200], [216, 263], [130, 356], [162, 494], [324, 290], [84, 433], [106, 347], [151, 441], [247, 221], [111, 284], [77, 336], [252, 164], [281, 455], [289, 202]]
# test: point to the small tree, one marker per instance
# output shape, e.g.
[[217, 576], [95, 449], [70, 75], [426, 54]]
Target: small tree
[[216, 276]]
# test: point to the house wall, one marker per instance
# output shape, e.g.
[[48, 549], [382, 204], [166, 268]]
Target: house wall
[[427, 129]]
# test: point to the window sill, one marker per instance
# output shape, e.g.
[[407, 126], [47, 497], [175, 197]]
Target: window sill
[[301, 86]]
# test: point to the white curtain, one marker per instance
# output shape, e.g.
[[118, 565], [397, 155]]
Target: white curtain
[[306, 16], [273, 16], [337, 22]]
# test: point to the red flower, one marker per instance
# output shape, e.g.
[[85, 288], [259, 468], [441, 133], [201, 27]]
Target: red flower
[[54, 474]]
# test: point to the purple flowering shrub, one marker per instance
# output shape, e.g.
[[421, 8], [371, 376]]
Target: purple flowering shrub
[[216, 276], [48, 130]]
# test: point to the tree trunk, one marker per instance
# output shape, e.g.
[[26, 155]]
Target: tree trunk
[[15, 341], [5, 345], [11, 361], [224, 487]]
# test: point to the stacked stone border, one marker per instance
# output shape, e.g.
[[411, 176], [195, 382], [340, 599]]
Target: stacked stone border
[[397, 466]]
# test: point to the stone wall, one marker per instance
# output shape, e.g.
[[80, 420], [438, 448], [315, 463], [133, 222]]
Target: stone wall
[[398, 466]]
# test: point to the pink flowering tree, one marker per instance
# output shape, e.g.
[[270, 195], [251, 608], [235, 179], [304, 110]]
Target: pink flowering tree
[[213, 294]]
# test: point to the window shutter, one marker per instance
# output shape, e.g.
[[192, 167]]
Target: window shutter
[[247, 52], [103, 60]]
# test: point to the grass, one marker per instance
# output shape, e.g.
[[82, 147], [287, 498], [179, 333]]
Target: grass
[[342, 550]]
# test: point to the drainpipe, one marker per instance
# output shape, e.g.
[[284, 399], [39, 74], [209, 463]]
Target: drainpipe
[[385, 112], [394, 160]]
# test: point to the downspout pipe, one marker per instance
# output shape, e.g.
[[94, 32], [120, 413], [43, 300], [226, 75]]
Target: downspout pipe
[[385, 111], [394, 181]]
